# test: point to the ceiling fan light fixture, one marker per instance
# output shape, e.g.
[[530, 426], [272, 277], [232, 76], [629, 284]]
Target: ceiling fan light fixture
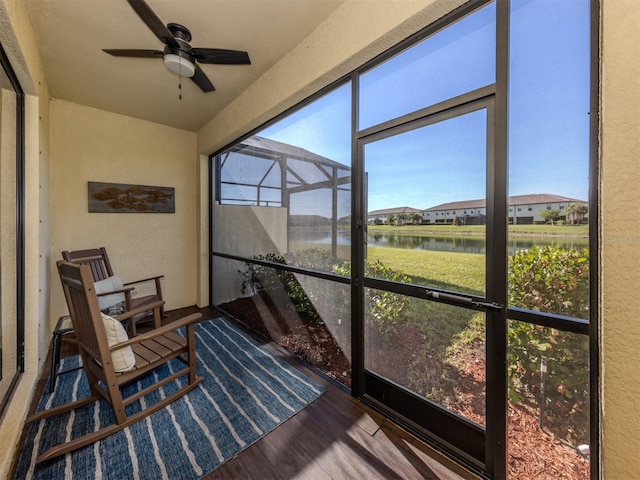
[[179, 65]]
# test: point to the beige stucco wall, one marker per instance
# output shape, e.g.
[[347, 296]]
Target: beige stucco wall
[[620, 237], [93, 145]]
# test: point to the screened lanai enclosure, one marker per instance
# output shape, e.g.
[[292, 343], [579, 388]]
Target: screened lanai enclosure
[[282, 204], [474, 337], [312, 190]]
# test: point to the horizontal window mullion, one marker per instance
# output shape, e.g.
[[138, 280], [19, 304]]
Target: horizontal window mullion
[[559, 322], [289, 268]]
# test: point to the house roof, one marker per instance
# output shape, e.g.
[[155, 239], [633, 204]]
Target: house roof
[[531, 199], [458, 205], [395, 211], [541, 198]]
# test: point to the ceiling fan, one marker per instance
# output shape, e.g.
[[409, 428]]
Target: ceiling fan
[[178, 56]]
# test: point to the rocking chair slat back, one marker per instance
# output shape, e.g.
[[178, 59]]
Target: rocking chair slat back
[[95, 258], [83, 309]]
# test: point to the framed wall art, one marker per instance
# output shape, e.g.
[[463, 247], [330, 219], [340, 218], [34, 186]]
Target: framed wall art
[[125, 198]]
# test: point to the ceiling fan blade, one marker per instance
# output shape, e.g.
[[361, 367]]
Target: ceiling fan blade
[[149, 17], [201, 79], [133, 53], [221, 56]]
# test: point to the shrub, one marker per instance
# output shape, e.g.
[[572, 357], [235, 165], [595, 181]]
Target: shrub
[[258, 279], [554, 280], [269, 282], [384, 307], [550, 279]]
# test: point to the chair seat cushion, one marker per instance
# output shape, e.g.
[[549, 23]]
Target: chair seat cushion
[[109, 284], [123, 359]]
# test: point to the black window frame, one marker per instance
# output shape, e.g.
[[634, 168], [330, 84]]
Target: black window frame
[[20, 228]]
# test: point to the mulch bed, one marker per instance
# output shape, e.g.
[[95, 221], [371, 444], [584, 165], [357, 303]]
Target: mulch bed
[[533, 453]]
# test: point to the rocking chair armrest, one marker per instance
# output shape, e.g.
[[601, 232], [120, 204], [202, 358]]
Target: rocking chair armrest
[[156, 278], [170, 327], [137, 311]]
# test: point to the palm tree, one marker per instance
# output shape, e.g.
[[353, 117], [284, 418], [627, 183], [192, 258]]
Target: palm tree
[[576, 212], [571, 213], [582, 211]]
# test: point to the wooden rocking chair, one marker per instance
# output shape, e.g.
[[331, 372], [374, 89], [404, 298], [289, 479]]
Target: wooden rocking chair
[[99, 359], [98, 261]]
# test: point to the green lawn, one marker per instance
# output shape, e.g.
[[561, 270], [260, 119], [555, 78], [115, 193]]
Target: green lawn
[[464, 272]]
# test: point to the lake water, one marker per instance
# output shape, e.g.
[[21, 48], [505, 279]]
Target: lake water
[[454, 243]]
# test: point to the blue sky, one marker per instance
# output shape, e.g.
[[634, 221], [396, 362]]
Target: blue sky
[[447, 158], [548, 111]]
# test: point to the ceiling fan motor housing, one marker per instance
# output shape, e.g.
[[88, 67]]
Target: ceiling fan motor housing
[[180, 32]]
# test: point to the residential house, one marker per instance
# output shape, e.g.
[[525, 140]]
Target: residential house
[[523, 210], [467, 212], [399, 214]]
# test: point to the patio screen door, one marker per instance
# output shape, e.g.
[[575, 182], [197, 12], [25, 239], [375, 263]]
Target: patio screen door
[[427, 300]]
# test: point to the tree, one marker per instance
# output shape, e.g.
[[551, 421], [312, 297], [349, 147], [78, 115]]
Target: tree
[[402, 218], [571, 213], [416, 218], [550, 216], [391, 219], [576, 212], [582, 211]]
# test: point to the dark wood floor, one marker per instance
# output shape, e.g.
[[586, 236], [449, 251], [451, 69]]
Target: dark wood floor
[[336, 437]]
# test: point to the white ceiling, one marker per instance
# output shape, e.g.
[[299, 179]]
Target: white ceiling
[[72, 33]]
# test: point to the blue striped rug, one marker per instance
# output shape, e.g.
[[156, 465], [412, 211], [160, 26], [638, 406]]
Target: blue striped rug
[[246, 392]]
